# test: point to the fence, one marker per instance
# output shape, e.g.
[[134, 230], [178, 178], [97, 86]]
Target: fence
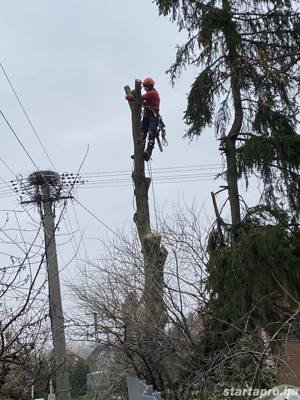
[[139, 390]]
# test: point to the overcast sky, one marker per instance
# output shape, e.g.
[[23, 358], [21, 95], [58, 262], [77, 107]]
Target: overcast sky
[[69, 61]]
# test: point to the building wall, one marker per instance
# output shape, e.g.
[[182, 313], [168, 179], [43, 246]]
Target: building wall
[[290, 367]]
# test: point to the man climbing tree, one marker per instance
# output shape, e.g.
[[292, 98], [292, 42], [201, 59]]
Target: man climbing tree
[[151, 119], [154, 252]]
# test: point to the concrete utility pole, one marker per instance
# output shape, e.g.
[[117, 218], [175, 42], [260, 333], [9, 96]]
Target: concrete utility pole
[[47, 190]]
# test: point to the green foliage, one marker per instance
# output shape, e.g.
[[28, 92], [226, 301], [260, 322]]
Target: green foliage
[[275, 154], [270, 122], [234, 366], [200, 107], [249, 68], [247, 53], [248, 278], [237, 376], [79, 372], [168, 6]]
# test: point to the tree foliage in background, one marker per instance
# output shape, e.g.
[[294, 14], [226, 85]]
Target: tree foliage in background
[[24, 327], [114, 290], [78, 377], [248, 278], [188, 359], [227, 300], [247, 90]]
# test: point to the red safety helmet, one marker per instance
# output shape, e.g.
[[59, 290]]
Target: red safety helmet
[[148, 82]]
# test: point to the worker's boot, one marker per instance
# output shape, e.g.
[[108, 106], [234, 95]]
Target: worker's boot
[[147, 153], [150, 146], [146, 156]]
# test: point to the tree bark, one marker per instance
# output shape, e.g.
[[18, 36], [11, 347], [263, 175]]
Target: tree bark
[[232, 182], [230, 140], [154, 253], [218, 218]]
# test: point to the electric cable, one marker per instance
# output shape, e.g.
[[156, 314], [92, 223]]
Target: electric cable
[[71, 233], [153, 193], [18, 139], [158, 170], [159, 178], [121, 178], [79, 230], [117, 184], [97, 218], [119, 173], [8, 167], [26, 115]]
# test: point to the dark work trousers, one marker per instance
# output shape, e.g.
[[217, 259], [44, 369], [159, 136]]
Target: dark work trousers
[[150, 123]]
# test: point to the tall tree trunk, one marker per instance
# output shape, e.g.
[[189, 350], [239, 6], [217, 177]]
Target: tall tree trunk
[[154, 253], [232, 182], [230, 140]]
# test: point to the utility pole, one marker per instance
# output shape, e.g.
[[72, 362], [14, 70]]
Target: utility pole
[[47, 190], [96, 328]]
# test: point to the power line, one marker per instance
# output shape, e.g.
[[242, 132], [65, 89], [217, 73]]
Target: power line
[[8, 167], [97, 218], [127, 173], [79, 229], [153, 193], [107, 186], [72, 234], [119, 182], [122, 178], [186, 168], [126, 183], [3, 194], [163, 177], [116, 181], [26, 115], [18, 139]]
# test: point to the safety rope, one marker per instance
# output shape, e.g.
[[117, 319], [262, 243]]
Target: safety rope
[[153, 193], [133, 188]]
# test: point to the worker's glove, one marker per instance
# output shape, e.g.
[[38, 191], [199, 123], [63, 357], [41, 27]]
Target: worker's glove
[[129, 97]]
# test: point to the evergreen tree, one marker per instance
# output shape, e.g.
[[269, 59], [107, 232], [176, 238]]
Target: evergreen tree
[[247, 88], [248, 55], [79, 373]]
